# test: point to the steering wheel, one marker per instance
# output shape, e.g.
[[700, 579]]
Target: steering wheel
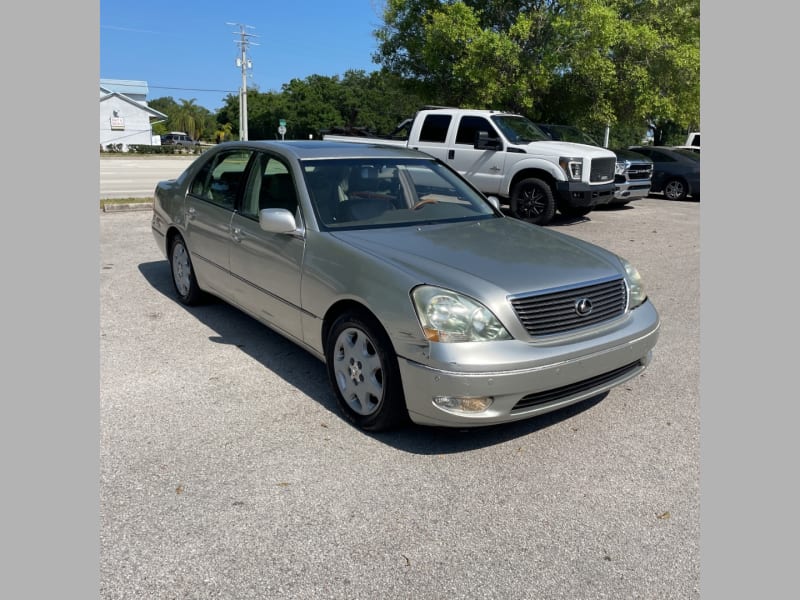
[[422, 203]]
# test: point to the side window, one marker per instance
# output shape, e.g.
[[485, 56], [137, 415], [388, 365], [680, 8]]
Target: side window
[[469, 127], [270, 185], [434, 128], [220, 179]]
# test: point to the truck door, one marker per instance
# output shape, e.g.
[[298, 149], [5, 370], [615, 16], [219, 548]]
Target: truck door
[[433, 136], [483, 167]]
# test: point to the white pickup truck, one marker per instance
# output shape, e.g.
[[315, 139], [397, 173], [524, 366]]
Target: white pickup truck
[[505, 155]]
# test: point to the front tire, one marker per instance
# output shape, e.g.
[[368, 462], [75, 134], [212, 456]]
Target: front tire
[[675, 189], [532, 201], [362, 369], [183, 279]]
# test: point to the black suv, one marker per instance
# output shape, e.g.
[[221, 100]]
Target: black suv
[[177, 138]]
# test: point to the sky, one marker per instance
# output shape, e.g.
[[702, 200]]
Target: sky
[[187, 49]]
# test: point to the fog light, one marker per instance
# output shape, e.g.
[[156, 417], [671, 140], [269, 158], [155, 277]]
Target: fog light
[[463, 404]]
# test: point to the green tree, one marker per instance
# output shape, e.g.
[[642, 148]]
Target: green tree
[[630, 64], [195, 120]]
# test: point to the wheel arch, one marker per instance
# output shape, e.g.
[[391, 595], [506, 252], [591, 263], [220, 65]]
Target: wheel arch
[[349, 305], [172, 233], [537, 173]]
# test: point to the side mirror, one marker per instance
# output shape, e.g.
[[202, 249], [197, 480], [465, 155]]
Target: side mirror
[[277, 220], [493, 200], [484, 142]]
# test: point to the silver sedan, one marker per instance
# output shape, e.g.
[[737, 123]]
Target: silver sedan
[[424, 301]]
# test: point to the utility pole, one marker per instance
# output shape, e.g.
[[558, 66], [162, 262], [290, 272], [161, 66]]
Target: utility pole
[[244, 63]]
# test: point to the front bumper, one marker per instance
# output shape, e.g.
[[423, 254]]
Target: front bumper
[[632, 190], [544, 377], [584, 195]]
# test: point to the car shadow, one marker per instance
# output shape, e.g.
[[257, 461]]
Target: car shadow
[[614, 207], [558, 220], [662, 196], [305, 372]]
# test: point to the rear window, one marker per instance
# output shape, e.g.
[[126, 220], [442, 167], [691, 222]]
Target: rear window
[[434, 128]]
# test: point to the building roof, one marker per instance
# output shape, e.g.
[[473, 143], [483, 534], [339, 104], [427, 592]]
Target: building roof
[[125, 86], [153, 113]]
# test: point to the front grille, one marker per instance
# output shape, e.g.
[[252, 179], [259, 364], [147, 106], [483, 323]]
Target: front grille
[[603, 169], [574, 388], [556, 312], [640, 171]]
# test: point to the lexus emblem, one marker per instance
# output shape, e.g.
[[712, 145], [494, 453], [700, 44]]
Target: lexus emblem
[[583, 306]]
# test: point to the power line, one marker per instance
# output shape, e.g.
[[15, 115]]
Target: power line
[[167, 87], [163, 87]]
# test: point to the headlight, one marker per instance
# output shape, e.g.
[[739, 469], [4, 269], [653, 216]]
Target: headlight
[[622, 166], [572, 166], [635, 284], [446, 316]]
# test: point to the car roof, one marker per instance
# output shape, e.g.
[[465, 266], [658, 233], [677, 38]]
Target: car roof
[[317, 149], [669, 150]]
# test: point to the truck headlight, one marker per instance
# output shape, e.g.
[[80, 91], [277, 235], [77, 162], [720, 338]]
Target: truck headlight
[[446, 316], [635, 284], [572, 166], [622, 166]]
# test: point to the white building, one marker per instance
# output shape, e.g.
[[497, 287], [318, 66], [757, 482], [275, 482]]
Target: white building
[[125, 118]]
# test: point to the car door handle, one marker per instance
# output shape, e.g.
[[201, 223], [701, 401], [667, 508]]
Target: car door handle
[[190, 214], [237, 234], [451, 154]]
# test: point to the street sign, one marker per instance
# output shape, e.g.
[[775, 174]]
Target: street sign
[[282, 130], [282, 122]]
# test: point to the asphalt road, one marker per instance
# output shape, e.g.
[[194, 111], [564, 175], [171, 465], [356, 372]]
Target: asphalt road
[[126, 176], [226, 471]]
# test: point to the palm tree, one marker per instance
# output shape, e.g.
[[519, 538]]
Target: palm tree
[[185, 119]]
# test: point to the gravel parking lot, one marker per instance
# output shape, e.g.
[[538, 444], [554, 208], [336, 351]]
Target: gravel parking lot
[[226, 471]]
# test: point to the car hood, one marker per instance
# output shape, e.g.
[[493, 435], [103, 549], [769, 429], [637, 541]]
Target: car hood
[[631, 156], [513, 256]]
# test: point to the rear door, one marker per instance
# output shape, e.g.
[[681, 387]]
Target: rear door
[[210, 206], [433, 135]]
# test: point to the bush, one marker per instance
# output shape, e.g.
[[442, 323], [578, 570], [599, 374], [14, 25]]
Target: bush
[[148, 149]]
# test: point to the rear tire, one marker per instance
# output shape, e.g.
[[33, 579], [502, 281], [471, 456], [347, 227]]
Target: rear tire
[[675, 189], [183, 279], [363, 371], [532, 201]]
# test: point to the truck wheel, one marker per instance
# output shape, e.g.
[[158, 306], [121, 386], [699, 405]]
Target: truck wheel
[[675, 189], [532, 201]]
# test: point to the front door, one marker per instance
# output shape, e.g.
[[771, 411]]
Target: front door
[[265, 267]]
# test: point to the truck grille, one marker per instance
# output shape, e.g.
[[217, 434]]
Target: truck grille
[[557, 312], [602, 169], [636, 172], [640, 171]]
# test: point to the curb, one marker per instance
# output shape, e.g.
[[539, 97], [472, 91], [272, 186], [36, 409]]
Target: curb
[[127, 207]]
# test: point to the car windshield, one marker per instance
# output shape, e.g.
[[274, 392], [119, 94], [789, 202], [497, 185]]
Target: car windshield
[[519, 130], [367, 193]]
